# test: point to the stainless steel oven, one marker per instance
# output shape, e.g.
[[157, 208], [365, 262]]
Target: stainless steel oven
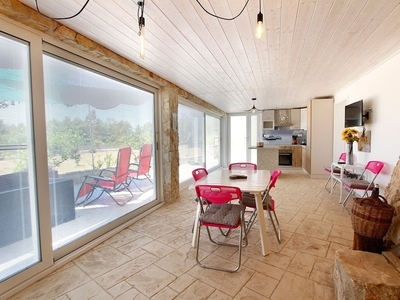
[[285, 157]]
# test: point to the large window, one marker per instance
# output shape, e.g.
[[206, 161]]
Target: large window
[[199, 141], [19, 236], [77, 153], [100, 137]]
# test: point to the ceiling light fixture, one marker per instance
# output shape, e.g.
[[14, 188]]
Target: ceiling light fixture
[[141, 27], [260, 26], [254, 110]]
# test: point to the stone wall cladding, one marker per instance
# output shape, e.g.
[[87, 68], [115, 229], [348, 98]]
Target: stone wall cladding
[[21, 13], [392, 194]]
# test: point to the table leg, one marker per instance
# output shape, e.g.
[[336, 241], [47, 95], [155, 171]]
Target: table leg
[[332, 166], [196, 224], [341, 184], [261, 221]]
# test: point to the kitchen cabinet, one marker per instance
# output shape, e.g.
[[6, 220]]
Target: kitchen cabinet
[[295, 119], [304, 159], [268, 119], [319, 136], [303, 118], [296, 156]]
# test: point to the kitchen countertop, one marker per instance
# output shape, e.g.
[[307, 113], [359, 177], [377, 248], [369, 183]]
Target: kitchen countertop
[[274, 146]]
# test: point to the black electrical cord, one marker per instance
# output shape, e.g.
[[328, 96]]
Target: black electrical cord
[[222, 18], [140, 12], [64, 18]]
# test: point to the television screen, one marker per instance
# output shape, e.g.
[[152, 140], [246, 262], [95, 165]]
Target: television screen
[[353, 114]]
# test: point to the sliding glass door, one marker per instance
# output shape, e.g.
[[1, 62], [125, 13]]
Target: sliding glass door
[[199, 141], [19, 230], [90, 119], [77, 153]]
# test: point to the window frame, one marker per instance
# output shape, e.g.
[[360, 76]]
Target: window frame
[[185, 183]]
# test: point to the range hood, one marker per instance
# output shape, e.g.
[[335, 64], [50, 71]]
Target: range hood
[[282, 118]]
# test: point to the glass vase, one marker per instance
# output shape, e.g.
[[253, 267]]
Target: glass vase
[[349, 153]]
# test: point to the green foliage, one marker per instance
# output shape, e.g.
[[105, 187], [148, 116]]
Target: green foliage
[[67, 138]]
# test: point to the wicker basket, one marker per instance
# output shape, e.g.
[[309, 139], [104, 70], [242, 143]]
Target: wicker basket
[[371, 217]]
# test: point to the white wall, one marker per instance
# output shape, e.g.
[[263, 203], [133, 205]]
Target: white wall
[[380, 90]]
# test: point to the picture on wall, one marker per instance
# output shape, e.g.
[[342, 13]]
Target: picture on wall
[[364, 143]]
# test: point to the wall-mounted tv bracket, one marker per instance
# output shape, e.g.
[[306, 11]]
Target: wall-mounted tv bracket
[[366, 113]]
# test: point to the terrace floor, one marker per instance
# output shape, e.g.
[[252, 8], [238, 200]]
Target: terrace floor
[[153, 258]]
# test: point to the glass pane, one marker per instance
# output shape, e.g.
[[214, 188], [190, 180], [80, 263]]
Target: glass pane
[[191, 141], [19, 238], [213, 135], [255, 136], [238, 137], [100, 137]]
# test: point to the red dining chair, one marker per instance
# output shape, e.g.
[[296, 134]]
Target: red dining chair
[[249, 200], [199, 173], [373, 167], [221, 214], [242, 166], [335, 170]]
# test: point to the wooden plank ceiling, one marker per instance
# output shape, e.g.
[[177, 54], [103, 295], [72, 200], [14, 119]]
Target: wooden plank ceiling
[[311, 48]]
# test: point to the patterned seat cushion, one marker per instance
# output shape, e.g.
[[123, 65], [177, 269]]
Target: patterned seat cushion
[[250, 201], [356, 184], [336, 170], [222, 214]]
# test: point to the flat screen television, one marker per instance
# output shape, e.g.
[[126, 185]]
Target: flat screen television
[[353, 114]]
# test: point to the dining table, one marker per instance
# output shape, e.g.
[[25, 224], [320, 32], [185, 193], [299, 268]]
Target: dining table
[[256, 182]]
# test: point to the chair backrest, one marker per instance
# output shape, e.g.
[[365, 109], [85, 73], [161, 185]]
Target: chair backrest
[[274, 177], [123, 161], [218, 194], [374, 166], [342, 157], [242, 166], [199, 173], [144, 159]]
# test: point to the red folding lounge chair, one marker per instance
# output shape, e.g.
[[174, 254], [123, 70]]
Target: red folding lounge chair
[[108, 181], [140, 169]]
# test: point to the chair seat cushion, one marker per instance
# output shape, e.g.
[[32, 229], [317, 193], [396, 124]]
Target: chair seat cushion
[[336, 170], [222, 214], [356, 184], [250, 201]]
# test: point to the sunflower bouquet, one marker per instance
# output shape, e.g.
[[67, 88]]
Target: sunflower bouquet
[[350, 135]]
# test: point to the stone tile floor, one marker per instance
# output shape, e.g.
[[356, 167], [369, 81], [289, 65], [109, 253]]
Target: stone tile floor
[[153, 258]]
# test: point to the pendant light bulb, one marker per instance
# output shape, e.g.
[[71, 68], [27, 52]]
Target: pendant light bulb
[[253, 110], [142, 41], [260, 26]]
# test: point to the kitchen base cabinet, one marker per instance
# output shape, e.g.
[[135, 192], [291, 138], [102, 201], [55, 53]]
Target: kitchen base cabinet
[[296, 156]]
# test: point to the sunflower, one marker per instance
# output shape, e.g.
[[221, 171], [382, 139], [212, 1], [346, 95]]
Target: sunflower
[[350, 135]]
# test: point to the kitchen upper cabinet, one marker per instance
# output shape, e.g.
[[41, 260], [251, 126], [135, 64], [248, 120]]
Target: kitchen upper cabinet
[[319, 137], [268, 114], [303, 118], [268, 119], [295, 119]]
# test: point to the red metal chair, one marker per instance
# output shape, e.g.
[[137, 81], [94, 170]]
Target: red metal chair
[[140, 170], [242, 166], [108, 181], [335, 170], [249, 200], [221, 214], [374, 168], [199, 173]]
